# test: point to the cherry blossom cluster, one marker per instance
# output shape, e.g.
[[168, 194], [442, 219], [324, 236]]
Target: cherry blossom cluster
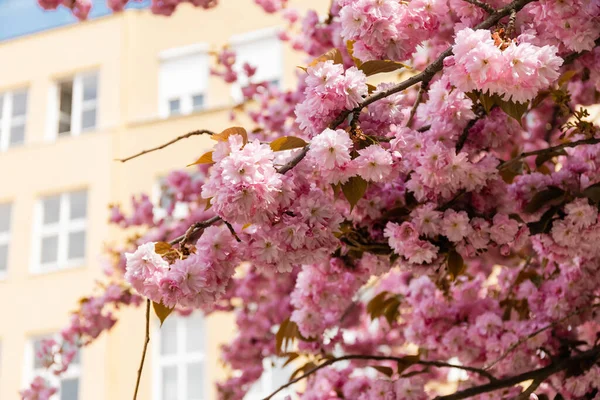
[[388, 29], [329, 89], [194, 282], [517, 72], [448, 211]]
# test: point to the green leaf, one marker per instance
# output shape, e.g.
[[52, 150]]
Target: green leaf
[[513, 108], [371, 88], [566, 77], [290, 357], [546, 156], [387, 371], [407, 361], [350, 49], [379, 66], [592, 192], [540, 199], [354, 190], [487, 101], [510, 170], [456, 264], [287, 143], [161, 311], [205, 158], [374, 306], [544, 224], [281, 335]]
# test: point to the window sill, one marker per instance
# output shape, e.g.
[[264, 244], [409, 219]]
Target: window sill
[[156, 118]]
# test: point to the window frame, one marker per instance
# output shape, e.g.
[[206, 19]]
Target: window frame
[[62, 228], [181, 359], [186, 102], [252, 37], [8, 120], [5, 237], [78, 105], [74, 370]]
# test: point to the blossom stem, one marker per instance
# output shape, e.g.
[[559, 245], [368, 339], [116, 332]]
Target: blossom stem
[[162, 146], [413, 110], [146, 341]]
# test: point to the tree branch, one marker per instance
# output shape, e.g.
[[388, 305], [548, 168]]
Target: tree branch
[[438, 364], [435, 66], [162, 146], [537, 374], [413, 110], [146, 341], [485, 7], [552, 149], [537, 332], [195, 227]]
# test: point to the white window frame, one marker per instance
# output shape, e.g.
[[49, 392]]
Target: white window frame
[[78, 106], [181, 359], [186, 105], [5, 239], [7, 120], [74, 371], [62, 228], [256, 36]]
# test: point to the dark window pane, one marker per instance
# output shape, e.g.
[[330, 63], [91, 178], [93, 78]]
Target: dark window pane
[[19, 103], [69, 389], [90, 87], [64, 128], [76, 245], [51, 209], [174, 106], [66, 97], [78, 204], [49, 249], [198, 101], [5, 211], [17, 135], [3, 257], [88, 119]]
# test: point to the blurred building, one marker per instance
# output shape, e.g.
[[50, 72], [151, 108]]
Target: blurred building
[[74, 98]]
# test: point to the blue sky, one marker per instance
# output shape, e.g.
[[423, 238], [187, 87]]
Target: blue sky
[[22, 17]]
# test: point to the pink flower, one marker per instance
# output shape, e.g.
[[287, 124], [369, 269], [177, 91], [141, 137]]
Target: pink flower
[[373, 163], [455, 225]]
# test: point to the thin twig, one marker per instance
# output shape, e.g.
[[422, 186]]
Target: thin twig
[[486, 7], [195, 227], [438, 364], [232, 231], [541, 373], [537, 332], [574, 56], [530, 389], [146, 341], [553, 149], [413, 110], [162, 146]]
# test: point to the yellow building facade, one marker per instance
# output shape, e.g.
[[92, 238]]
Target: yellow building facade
[[72, 100]]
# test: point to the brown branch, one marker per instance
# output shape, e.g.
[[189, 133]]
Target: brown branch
[[413, 110], [537, 332], [146, 341], [435, 66], [574, 56], [195, 227], [162, 146], [438, 364], [530, 389], [552, 149], [484, 6], [537, 375]]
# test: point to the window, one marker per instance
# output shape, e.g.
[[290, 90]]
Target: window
[[180, 372], [183, 80], [61, 231], [262, 50], [274, 376], [5, 216], [163, 198], [76, 105], [13, 114], [69, 382]]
